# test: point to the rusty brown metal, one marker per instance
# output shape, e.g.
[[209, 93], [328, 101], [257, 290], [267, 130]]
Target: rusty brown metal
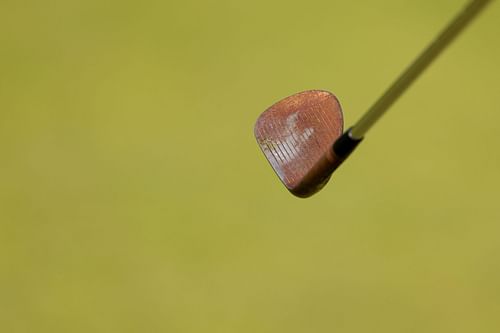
[[296, 135]]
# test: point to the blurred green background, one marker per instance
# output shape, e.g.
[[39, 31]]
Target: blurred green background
[[133, 197]]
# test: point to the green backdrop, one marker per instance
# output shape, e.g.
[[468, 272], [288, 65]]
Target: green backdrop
[[133, 197]]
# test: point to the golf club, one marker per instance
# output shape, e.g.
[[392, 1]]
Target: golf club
[[301, 135]]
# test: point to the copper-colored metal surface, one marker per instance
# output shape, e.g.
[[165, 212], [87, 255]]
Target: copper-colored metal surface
[[296, 135]]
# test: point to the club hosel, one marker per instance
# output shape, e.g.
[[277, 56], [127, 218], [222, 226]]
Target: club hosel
[[345, 145], [319, 175]]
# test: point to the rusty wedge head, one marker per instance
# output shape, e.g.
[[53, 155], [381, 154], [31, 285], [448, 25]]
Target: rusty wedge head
[[297, 135]]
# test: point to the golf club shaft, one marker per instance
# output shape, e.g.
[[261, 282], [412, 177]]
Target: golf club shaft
[[358, 131]]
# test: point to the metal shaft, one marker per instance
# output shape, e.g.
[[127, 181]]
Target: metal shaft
[[416, 68]]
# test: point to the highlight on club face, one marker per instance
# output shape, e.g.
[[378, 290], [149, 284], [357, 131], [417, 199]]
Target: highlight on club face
[[297, 134]]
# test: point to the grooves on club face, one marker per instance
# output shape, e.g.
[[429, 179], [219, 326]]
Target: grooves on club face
[[296, 135]]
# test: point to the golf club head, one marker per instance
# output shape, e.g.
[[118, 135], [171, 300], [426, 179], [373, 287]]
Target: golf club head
[[297, 135]]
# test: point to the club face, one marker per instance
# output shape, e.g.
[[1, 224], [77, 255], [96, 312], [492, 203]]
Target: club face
[[296, 134]]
